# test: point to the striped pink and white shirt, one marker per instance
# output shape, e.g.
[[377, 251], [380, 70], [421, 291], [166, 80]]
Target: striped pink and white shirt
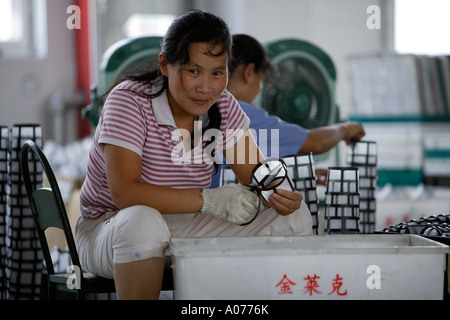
[[146, 127]]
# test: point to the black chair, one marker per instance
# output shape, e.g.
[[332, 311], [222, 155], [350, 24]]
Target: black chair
[[48, 211]]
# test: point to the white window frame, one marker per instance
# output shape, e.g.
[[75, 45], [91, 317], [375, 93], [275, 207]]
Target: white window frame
[[32, 40], [422, 26]]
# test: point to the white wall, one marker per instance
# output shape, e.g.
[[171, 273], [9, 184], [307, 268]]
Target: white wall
[[26, 85], [338, 27]]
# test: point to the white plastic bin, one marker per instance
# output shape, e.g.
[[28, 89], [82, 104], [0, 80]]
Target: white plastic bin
[[309, 267]]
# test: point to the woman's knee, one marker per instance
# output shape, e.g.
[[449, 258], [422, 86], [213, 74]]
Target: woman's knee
[[140, 233]]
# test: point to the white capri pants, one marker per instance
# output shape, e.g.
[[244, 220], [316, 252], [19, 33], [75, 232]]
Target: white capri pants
[[140, 232]]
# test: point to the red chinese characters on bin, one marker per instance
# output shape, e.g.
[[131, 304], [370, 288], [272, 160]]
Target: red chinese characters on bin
[[285, 286]]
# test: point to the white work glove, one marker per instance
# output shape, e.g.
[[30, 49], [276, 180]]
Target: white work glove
[[232, 203]]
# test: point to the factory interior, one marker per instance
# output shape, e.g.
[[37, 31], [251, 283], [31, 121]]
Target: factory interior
[[382, 63]]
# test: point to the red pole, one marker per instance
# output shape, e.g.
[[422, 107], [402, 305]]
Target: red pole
[[83, 63]]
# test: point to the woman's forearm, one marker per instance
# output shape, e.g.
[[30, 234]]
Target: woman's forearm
[[123, 172], [322, 139], [165, 200]]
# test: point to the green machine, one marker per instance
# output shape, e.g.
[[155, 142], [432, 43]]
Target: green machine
[[303, 90], [122, 57]]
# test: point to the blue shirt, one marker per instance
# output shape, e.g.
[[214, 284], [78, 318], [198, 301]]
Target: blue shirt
[[275, 137]]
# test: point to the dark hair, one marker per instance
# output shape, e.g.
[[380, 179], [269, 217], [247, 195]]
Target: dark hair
[[247, 49], [194, 26]]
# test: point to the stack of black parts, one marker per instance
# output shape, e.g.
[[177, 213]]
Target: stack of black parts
[[436, 226], [301, 171], [363, 155], [342, 201], [24, 260], [4, 146]]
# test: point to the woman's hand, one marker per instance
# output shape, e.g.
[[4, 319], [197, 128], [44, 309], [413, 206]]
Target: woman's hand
[[233, 203], [285, 202]]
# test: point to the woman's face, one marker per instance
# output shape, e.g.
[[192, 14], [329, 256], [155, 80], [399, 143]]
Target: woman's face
[[195, 87]]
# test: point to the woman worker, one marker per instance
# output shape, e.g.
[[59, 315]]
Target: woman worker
[[139, 189]]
